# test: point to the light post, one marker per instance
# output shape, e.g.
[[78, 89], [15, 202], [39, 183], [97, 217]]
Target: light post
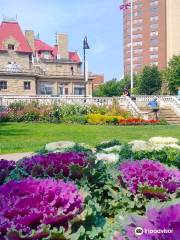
[[85, 46]]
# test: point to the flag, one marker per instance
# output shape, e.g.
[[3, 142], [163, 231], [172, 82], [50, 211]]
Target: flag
[[85, 44], [125, 6]]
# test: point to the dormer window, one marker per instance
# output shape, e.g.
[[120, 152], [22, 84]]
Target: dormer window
[[11, 46]]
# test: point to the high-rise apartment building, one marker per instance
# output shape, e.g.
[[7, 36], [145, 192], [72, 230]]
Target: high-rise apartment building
[[155, 33]]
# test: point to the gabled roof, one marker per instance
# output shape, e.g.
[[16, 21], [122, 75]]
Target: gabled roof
[[12, 30], [42, 46], [73, 56]]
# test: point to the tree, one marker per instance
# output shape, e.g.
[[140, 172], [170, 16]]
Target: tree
[[108, 89], [113, 87], [172, 74], [150, 81]]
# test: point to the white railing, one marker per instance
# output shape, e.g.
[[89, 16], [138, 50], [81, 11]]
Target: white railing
[[124, 102], [170, 101], [133, 108]]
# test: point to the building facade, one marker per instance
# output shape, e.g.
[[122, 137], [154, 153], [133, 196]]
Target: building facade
[[29, 66], [155, 33]]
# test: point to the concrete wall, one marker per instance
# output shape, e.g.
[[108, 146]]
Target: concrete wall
[[173, 30]]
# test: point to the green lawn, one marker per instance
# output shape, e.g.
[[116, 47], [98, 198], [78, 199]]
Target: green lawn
[[22, 137]]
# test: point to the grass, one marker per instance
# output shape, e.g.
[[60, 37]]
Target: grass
[[27, 137]]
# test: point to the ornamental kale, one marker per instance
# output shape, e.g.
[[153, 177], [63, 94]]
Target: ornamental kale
[[27, 206], [5, 168], [149, 177], [68, 164], [158, 224]]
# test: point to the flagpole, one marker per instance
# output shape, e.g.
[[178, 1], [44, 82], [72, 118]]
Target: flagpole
[[132, 83]]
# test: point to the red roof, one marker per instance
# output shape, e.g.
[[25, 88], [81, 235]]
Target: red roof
[[73, 56], [42, 46], [13, 30]]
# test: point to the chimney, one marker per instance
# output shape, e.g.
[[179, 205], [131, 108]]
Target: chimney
[[62, 43], [29, 34]]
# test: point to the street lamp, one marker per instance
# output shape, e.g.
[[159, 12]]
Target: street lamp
[[85, 46]]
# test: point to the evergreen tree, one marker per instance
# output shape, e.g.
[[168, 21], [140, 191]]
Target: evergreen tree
[[150, 81]]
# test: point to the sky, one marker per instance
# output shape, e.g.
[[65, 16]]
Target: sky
[[100, 20]]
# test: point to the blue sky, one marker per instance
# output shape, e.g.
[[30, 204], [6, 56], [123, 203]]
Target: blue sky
[[100, 20]]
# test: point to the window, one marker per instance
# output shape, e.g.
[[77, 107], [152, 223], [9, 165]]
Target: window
[[137, 13], [154, 3], [139, 58], [139, 28], [153, 19], [11, 46], [137, 44], [154, 34], [27, 85], [154, 10], [137, 36], [138, 50], [154, 64], [154, 26], [79, 90], [153, 49], [3, 85], [137, 5], [46, 88], [138, 65], [137, 21], [154, 42], [153, 56]]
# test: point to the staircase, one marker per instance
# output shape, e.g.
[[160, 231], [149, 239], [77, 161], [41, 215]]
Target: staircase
[[165, 113]]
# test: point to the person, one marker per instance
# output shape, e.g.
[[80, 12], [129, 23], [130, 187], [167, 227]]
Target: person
[[154, 107], [178, 95], [126, 92]]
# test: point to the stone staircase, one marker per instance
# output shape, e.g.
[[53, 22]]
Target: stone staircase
[[165, 113]]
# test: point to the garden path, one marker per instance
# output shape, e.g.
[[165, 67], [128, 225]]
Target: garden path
[[15, 156]]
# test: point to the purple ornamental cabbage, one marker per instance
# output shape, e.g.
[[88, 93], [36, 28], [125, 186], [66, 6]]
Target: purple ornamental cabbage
[[54, 164], [147, 176], [26, 204], [157, 224], [5, 168]]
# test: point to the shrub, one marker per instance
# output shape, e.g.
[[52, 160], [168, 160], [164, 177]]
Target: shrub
[[167, 155], [153, 179], [29, 204], [163, 221], [5, 168], [58, 165], [102, 119], [5, 116], [107, 144]]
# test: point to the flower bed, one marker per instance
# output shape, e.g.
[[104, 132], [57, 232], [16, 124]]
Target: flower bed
[[151, 178], [82, 192], [57, 165], [28, 204], [71, 113]]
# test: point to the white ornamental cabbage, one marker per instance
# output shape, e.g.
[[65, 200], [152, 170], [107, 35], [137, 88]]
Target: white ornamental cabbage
[[116, 148], [110, 157], [59, 146], [163, 140]]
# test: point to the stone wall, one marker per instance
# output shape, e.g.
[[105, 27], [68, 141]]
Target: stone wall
[[15, 85], [22, 60], [55, 68]]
